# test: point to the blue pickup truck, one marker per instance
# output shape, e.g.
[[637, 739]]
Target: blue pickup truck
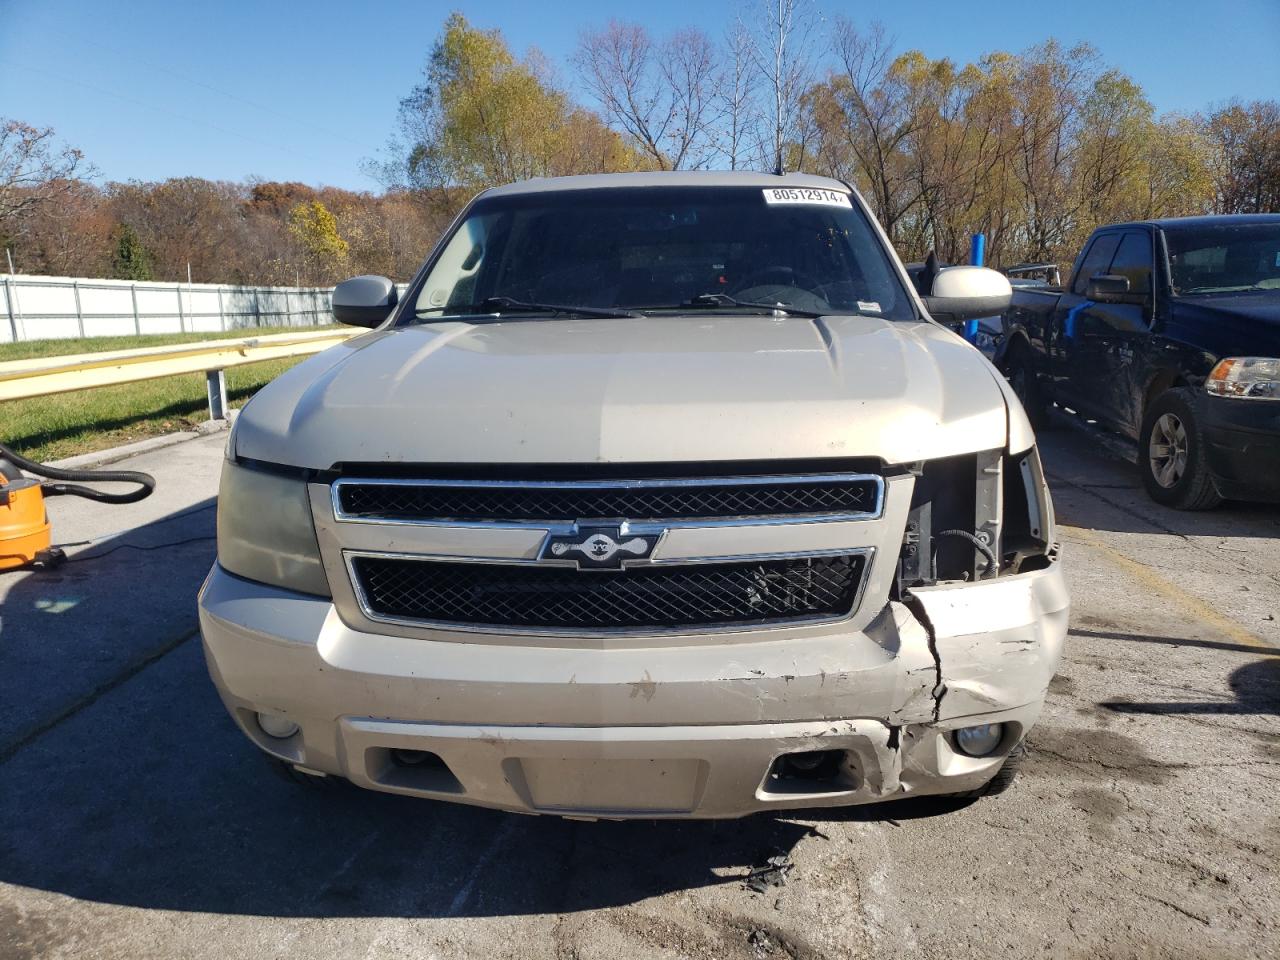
[[1169, 333]]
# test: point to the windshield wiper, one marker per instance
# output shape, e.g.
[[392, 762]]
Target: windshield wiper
[[508, 305], [708, 300]]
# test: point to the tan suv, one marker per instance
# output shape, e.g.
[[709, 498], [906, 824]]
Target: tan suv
[[655, 495]]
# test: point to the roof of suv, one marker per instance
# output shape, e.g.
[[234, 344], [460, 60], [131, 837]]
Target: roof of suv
[[678, 178]]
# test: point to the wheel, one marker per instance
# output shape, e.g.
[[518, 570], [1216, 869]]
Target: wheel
[[1171, 454], [1027, 388], [1005, 776], [1003, 779]]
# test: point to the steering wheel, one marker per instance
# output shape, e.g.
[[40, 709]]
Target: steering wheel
[[790, 288], [774, 277]]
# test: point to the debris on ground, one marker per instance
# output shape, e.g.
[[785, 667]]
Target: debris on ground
[[761, 943], [772, 873]]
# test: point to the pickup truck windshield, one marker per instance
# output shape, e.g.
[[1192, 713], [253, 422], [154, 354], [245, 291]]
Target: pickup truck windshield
[[662, 248], [1227, 259]]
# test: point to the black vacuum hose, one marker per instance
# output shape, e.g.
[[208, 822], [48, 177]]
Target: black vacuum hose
[[145, 482]]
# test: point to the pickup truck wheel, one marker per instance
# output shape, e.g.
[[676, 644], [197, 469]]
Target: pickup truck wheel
[[1023, 380], [1171, 457]]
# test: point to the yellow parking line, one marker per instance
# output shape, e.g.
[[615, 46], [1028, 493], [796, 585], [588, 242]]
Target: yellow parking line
[[1195, 608]]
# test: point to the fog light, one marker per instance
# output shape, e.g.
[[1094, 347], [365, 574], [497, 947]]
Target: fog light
[[411, 758], [979, 741], [274, 725]]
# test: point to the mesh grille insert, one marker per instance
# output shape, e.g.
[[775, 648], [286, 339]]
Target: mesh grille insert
[[782, 497], [681, 595]]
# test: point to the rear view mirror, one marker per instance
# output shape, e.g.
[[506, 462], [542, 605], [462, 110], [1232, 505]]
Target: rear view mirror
[[967, 293], [364, 301], [1107, 288]]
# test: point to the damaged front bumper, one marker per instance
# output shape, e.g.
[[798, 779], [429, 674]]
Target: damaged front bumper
[[673, 731]]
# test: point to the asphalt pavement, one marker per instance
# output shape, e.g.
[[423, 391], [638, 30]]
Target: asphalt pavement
[[136, 821]]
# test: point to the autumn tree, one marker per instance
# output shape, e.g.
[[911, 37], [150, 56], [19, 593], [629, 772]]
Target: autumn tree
[[482, 117], [1245, 142], [1176, 173], [315, 229], [186, 220]]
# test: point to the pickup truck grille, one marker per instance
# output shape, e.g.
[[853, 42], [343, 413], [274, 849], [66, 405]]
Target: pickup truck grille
[[428, 501], [684, 595]]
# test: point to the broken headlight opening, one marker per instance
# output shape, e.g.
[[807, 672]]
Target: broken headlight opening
[[976, 517]]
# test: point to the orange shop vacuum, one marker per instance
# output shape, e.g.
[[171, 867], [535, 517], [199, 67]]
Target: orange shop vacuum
[[25, 532]]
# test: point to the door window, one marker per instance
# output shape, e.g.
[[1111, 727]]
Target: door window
[[1133, 260], [1096, 260]]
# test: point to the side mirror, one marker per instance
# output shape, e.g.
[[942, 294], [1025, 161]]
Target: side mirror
[[1107, 288], [966, 293], [364, 301]]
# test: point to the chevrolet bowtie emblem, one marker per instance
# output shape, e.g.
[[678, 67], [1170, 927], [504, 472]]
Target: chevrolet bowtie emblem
[[599, 548]]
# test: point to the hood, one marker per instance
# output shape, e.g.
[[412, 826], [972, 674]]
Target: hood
[[652, 390], [1238, 324]]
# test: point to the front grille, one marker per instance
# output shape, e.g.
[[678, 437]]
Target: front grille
[[680, 595], [636, 500]]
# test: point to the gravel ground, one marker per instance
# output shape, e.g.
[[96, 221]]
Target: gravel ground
[[135, 821]]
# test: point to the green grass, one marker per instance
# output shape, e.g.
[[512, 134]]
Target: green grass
[[49, 428]]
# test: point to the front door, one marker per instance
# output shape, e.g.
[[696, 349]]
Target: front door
[[1109, 338]]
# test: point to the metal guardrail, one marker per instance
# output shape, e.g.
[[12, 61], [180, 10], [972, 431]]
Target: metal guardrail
[[43, 376]]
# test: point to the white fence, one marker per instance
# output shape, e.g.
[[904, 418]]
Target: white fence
[[45, 308]]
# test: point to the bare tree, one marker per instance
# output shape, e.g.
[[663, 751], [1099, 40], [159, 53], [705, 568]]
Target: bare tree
[[34, 169], [739, 114], [784, 54], [662, 96], [875, 116]]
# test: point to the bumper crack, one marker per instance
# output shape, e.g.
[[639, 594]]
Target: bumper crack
[[912, 603]]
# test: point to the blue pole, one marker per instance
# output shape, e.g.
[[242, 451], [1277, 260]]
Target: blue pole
[[977, 249]]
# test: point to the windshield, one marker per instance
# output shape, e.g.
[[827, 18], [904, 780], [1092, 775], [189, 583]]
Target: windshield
[[657, 248], [1226, 259]]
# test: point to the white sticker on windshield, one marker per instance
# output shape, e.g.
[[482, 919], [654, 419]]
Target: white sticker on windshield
[[825, 198], [868, 306]]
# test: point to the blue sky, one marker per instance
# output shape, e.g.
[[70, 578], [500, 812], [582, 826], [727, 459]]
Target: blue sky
[[304, 91]]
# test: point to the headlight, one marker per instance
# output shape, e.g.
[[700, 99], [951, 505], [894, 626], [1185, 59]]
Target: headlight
[[265, 531], [1245, 378]]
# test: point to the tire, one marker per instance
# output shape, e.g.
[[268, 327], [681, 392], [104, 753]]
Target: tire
[[1022, 378], [1005, 776], [1171, 454], [1001, 782]]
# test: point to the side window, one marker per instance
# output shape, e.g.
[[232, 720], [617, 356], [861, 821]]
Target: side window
[[1133, 260], [1096, 260]]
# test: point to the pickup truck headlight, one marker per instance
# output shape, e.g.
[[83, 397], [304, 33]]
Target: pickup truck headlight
[[265, 532], [1245, 378]]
